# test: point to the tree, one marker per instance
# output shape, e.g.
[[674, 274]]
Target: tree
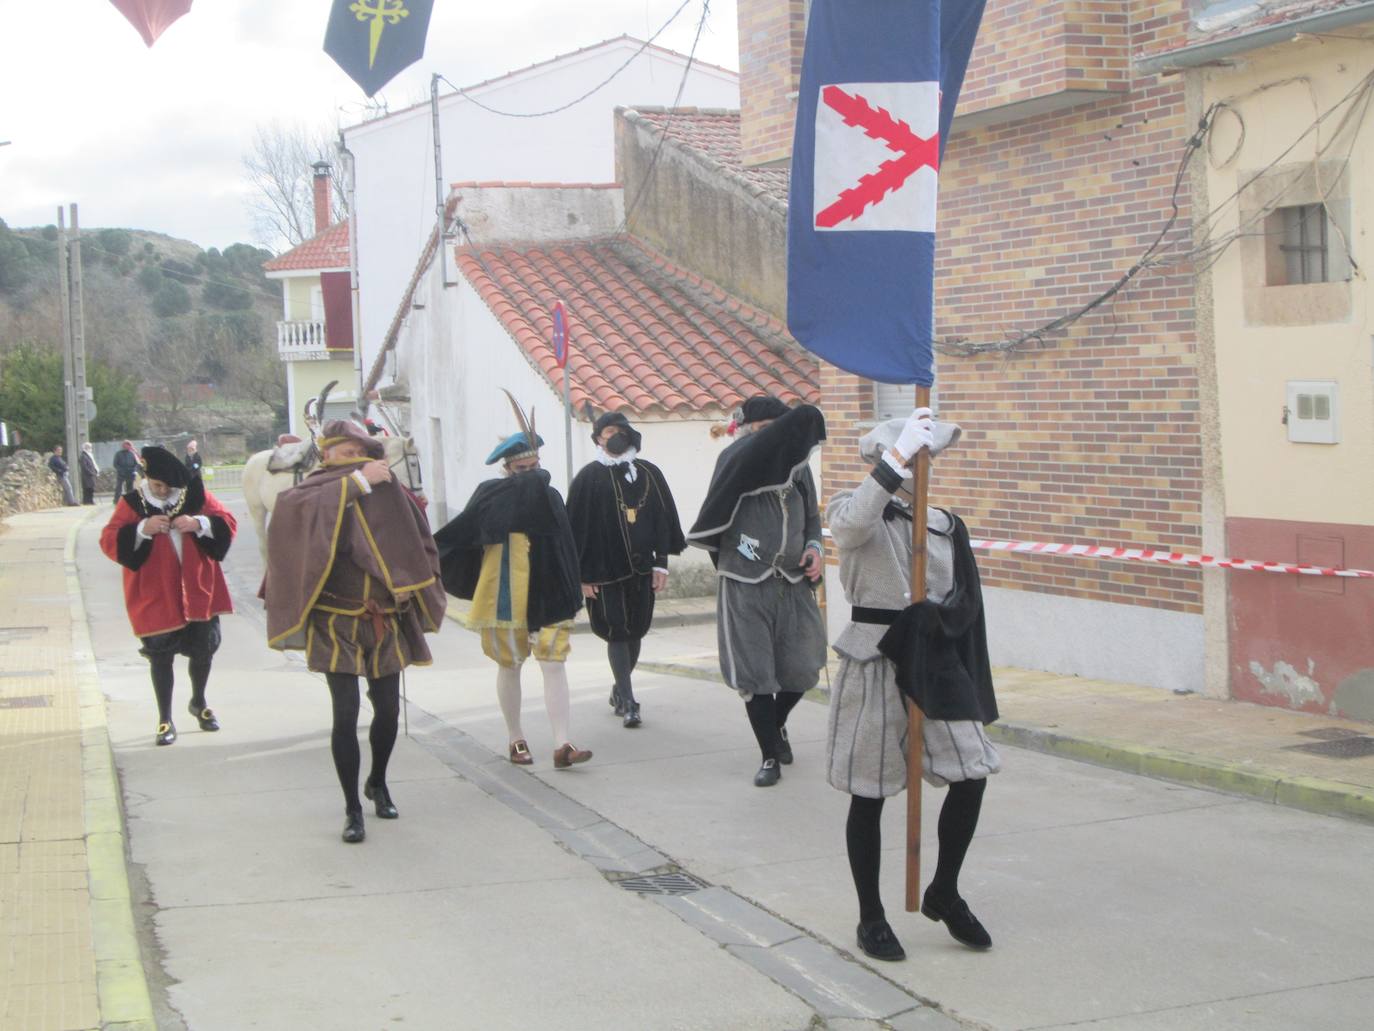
[[171, 299], [31, 398], [16, 265], [279, 170], [31, 395]]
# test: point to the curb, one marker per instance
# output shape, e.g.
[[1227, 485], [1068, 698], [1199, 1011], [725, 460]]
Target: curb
[[1311, 794], [121, 984], [1325, 797]]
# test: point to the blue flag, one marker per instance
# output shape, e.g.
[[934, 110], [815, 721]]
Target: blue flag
[[879, 82]]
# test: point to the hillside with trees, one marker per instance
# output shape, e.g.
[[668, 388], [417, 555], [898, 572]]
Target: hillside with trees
[[178, 339]]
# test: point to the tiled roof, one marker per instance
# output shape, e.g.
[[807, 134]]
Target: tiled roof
[[646, 336], [325, 250], [713, 135], [1254, 19]]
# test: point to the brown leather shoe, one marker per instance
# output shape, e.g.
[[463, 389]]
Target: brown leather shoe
[[569, 755], [520, 753]]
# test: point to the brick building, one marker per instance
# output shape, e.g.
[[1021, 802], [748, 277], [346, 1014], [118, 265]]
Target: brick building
[[1059, 174]]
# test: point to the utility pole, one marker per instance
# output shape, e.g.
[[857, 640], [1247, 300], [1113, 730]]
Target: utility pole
[[84, 410], [64, 302], [439, 205], [75, 399]]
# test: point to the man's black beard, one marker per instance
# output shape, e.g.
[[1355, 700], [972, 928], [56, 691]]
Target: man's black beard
[[617, 444]]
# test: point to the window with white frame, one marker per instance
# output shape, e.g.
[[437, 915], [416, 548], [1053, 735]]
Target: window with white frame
[[895, 400]]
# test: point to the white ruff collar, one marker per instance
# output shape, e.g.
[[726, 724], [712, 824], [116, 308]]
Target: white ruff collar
[[626, 459], [159, 503]]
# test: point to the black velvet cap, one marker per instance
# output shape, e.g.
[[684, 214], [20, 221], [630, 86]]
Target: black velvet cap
[[161, 464], [760, 407]]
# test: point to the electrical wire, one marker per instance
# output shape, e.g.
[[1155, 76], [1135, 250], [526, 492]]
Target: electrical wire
[[463, 91], [1205, 255]]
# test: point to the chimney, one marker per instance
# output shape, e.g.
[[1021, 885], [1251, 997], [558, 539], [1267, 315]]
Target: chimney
[[322, 186], [772, 34]]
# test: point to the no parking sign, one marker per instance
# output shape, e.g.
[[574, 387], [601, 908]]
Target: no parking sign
[[560, 335]]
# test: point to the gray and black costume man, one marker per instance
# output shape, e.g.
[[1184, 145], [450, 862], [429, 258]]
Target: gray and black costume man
[[934, 651], [761, 523]]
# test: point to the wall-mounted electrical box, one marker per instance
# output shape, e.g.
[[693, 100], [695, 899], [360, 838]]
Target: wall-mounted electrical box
[[1313, 411]]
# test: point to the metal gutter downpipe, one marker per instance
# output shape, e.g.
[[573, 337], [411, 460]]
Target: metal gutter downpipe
[[1205, 53]]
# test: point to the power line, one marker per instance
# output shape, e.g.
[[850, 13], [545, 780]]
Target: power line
[[463, 91]]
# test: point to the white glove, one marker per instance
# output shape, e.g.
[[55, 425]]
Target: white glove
[[918, 432]]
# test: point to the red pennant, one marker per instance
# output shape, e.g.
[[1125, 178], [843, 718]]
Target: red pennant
[[152, 17]]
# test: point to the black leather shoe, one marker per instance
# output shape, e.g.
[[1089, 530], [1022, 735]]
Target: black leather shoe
[[166, 733], [962, 925], [632, 715], [203, 716], [353, 831], [784, 747], [877, 940], [381, 798], [768, 775], [617, 706]]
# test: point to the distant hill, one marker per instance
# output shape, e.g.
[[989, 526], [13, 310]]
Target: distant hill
[[197, 327]]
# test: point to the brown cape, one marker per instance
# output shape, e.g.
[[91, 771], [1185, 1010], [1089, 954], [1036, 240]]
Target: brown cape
[[327, 518]]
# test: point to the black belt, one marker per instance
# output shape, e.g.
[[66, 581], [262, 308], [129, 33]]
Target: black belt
[[883, 617]]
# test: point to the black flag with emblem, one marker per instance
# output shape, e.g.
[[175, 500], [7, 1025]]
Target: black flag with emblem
[[373, 41]]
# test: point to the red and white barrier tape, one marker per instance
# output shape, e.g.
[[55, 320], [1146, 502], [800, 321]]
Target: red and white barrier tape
[[1171, 558]]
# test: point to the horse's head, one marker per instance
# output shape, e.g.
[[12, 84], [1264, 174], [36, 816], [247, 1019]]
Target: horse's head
[[403, 460]]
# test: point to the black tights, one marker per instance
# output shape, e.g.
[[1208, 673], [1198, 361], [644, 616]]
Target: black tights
[[164, 677], [624, 656], [768, 716], [863, 838], [385, 695]]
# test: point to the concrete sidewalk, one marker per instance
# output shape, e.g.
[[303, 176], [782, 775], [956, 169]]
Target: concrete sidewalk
[[1322, 764], [72, 957], [652, 887]]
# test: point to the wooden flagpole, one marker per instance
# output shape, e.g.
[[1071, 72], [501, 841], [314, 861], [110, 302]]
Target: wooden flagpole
[[920, 492]]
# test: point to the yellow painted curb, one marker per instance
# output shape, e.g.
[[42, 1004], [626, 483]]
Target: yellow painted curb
[[121, 984]]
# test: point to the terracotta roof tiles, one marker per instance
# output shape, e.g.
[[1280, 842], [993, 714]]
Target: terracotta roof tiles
[[713, 135], [646, 336], [326, 250]]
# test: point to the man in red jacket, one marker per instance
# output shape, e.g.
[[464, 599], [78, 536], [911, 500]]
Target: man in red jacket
[[170, 535]]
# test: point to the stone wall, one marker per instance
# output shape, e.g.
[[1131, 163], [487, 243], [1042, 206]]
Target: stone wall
[[26, 484]]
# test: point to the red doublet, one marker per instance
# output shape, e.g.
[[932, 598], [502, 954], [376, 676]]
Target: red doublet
[[162, 594]]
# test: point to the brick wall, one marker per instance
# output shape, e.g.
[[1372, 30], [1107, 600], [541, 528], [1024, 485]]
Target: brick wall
[[1093, 438], [771, 37]]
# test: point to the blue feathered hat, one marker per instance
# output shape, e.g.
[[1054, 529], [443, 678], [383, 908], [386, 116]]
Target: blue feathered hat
[[515, 446]]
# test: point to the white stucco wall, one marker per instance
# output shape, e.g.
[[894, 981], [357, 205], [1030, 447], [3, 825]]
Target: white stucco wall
[[456, 357], [394, 205], [1273, 94]]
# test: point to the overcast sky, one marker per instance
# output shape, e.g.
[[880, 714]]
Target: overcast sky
[[154, 139]]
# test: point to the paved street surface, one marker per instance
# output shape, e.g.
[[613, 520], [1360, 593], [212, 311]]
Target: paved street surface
[[506, 898]]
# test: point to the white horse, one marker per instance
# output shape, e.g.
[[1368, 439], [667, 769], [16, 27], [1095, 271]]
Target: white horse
[[260, 487]]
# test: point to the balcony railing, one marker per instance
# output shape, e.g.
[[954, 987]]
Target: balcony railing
[[301, 341]]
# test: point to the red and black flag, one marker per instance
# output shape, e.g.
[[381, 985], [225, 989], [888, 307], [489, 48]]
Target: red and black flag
[[373, 41]]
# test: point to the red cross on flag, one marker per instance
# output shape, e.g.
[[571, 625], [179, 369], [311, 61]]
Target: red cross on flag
[[877, 155]]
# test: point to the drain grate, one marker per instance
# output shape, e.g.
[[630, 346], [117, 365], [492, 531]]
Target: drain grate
[[1357, 747], [26, 701], [677, 883]]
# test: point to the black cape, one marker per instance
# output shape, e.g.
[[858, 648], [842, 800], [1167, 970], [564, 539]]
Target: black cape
[[609, 548], [941, 649], [766, 459], [191, 502], [523, 503]]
